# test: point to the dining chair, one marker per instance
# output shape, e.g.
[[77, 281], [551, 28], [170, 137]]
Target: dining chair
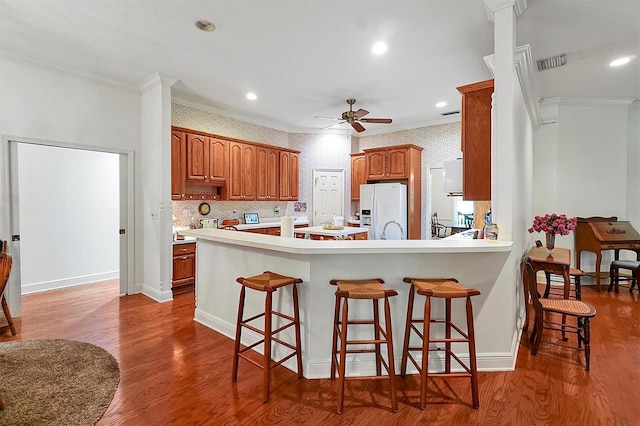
[[438, 230], [544, 307], [5, 269]]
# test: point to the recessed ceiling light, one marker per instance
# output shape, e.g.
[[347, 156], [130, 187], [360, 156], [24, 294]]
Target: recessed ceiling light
[[620, 61], [205, 25], [379, 48], [252, 96], [441, 104]]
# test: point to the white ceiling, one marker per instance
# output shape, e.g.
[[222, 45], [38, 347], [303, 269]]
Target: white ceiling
[[303, 58]]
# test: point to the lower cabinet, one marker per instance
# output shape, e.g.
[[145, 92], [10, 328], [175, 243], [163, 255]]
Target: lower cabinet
[[184, 268]]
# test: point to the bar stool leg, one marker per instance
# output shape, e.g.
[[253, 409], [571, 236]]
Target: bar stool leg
[[376, 335], [266, 373], [424, 374], [587, 342], [390, 360], [296, 316], [236, 346], [334, 344], [343, 354], [472, 354], [447, 344], [407, 332]]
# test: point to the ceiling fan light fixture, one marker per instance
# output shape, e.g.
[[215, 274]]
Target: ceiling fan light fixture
[[204, 25], [379, 48]]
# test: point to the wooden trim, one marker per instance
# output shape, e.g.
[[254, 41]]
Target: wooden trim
[[475, 86], [230, 139], [385, 148]]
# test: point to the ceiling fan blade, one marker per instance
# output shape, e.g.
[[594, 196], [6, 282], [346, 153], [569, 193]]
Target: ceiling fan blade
[[334, 125], [376, 120], [360, 113], [327, 118], [359, 128]]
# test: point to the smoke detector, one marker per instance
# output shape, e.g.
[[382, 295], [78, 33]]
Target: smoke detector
[[553, 62]]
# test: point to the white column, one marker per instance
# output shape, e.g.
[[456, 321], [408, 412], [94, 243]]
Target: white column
[[156, 185]]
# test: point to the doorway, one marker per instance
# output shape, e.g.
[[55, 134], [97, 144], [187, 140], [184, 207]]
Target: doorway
[[64, 230], [328, 195]]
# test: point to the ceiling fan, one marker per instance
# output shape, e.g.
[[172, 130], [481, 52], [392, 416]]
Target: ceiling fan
[[355, 118]]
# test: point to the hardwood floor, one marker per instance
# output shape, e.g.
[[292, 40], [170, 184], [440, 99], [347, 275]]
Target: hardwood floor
[[175, 371]]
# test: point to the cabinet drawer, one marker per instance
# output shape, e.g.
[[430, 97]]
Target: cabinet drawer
[[182, 249]]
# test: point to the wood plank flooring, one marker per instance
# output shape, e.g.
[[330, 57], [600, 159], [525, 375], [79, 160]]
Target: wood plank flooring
[[177, 372]]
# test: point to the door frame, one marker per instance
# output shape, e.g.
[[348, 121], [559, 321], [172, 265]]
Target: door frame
[[313, 186], [9, 202]]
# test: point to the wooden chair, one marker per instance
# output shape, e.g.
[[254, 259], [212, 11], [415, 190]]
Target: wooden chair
[[437, 229], [569, 307], [5, 269], [614, 273]]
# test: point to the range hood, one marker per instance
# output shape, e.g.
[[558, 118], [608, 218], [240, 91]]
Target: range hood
[[453, 177]]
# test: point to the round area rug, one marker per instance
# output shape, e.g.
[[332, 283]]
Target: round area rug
[[55, 382]]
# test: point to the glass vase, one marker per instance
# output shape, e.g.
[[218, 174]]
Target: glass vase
[[551, 242]]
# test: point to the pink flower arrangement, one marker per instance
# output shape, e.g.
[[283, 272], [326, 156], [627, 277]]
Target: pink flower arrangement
[[554, 224]]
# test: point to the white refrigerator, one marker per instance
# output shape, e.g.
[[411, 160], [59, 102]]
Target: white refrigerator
[[384, 204]]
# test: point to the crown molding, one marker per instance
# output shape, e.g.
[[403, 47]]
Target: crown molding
[[154, 80], [492, 6], [523, 65], [52, 66], [549, 106]]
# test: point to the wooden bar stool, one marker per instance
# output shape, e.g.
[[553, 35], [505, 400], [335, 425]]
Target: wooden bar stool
[[614, 273], [371, 289], [267, 282], [447, 289]]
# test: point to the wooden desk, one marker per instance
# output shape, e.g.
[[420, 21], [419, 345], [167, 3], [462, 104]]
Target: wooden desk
[[559, 262]]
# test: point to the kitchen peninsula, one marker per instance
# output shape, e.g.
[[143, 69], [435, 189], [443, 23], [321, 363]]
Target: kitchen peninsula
[[223, 256]]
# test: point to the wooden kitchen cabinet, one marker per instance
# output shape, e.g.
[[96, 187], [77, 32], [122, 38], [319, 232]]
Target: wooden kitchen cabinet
[[268, 162], [358, 175], [390, 163], [178, 164], [289, 175], [242, 172], [207, 160], [476, 140], [184, 268]]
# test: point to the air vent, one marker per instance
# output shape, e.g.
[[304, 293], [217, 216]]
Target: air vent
[[553, 62], [450, 113]]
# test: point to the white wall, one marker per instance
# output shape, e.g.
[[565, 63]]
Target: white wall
[[69, 216], [60, 108]]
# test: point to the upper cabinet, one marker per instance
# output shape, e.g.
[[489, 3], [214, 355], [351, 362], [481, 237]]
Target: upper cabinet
[[390, 163], [476, 140], [242, 168], [268, 165], [289, 175], [206, 160], [358, 175], [178, 162]]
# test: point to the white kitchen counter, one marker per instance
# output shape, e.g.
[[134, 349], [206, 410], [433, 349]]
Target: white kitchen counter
[[223, 256], [319, 230]]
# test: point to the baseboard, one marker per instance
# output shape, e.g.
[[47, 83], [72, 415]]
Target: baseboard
[[68, 282]]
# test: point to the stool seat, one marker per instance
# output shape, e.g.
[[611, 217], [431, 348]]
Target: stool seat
[[267, 282], [446, 289], [614, 273], [363, 289]]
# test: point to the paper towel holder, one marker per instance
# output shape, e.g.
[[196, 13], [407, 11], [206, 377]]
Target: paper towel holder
[[251, 218]]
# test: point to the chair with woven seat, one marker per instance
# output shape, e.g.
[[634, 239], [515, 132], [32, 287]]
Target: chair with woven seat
[[366, 289], [447, 289], [582, 311], [5, 269], [438, 230], [267, 282], [614, 273]]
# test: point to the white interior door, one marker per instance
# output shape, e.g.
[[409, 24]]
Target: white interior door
[[440, 202], [328, 195]]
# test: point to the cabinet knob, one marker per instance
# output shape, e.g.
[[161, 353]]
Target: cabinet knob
[[184, 257]]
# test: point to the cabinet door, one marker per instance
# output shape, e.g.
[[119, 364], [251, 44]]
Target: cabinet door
[[267, 165], [375, 165], [284, 175], [397, 163], [235, 171], [242, 171], [178, 164], [358, 176], [218, 160], [197, 158], [249, 172], [294, 176]]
